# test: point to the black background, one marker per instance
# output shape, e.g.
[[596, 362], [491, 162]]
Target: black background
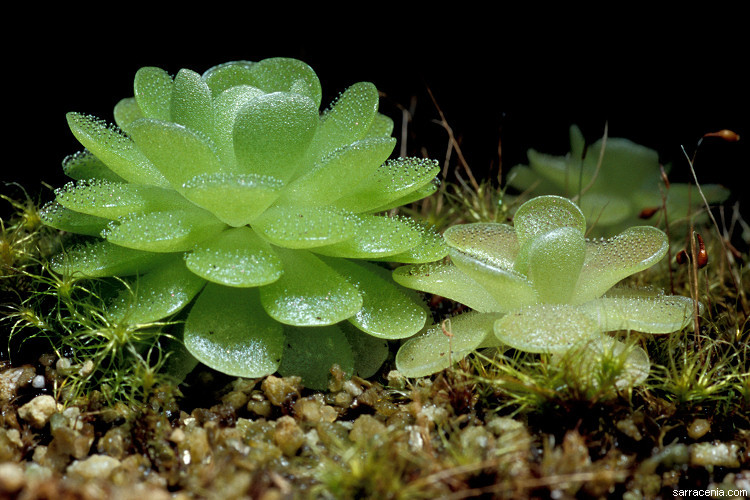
[[504, 80]]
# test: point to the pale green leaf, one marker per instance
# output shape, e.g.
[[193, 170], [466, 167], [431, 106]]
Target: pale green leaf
[[649, 313], [236, 257], [338, 173], [555, 259], [83, 165], [153, 92], [55, 215], [236, 199], [226, 107], [191, 103], [227, 75], [126, 112], [446, 280], [157, 294], [177, 152], [172, 231], [376, 236], [490, 242], [114, 149], [272, 133], [369, 352], [348, 119], [392, 181], [310, 353], [421, 192], [98, 259], [595, 359], [544, 213], [431, 247], [115, 199], [610, 260], [309, 293], [551, 328], [280, 74], [510, 289], [382, 126], [229, 331], [387, 311], [305, 227], [443, 345]]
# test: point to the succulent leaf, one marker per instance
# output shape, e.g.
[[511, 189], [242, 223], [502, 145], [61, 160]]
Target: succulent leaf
[[57, 216], [163, 231], [100, 259], [192, 103], [309, 293], [387, 311], [446, 280], [311, 353], [177, 152], [111, 200], [551, 328], [272, 133], [115, 149], [217, 332], [85, 166], [157, 294], [152, 88], [251, 195], [237, 257], [437, 349], [610, 260]]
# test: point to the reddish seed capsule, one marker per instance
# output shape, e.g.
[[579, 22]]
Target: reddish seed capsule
[[647, 213], [702, 258], [726, 134]]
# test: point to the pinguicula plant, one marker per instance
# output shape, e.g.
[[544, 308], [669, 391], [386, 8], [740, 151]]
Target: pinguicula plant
[[616, 182], [540, 286], [230, 191]]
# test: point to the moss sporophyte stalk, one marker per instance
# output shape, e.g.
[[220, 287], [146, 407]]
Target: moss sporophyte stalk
[[231, 193], [541, 286]]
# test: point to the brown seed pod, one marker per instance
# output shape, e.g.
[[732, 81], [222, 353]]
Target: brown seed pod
[[649, 212], [702, 258], [726, 134]]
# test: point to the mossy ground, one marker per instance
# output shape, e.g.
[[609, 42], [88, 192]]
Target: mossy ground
[[499, 425]]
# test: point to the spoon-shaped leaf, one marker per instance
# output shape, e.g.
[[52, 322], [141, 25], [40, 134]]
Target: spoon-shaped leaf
[[102, 258], [545, 328], [115, 149], [437, 349], [272, 133], [309, 293], [157, 294], [167, 231], [544, 213], [229, 331], [489, 242], [178, 152], [311, 353], [295, 227], [236, 257], [446, 280], [387, 311], [152, 88], [609, 261], [250, 195]]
